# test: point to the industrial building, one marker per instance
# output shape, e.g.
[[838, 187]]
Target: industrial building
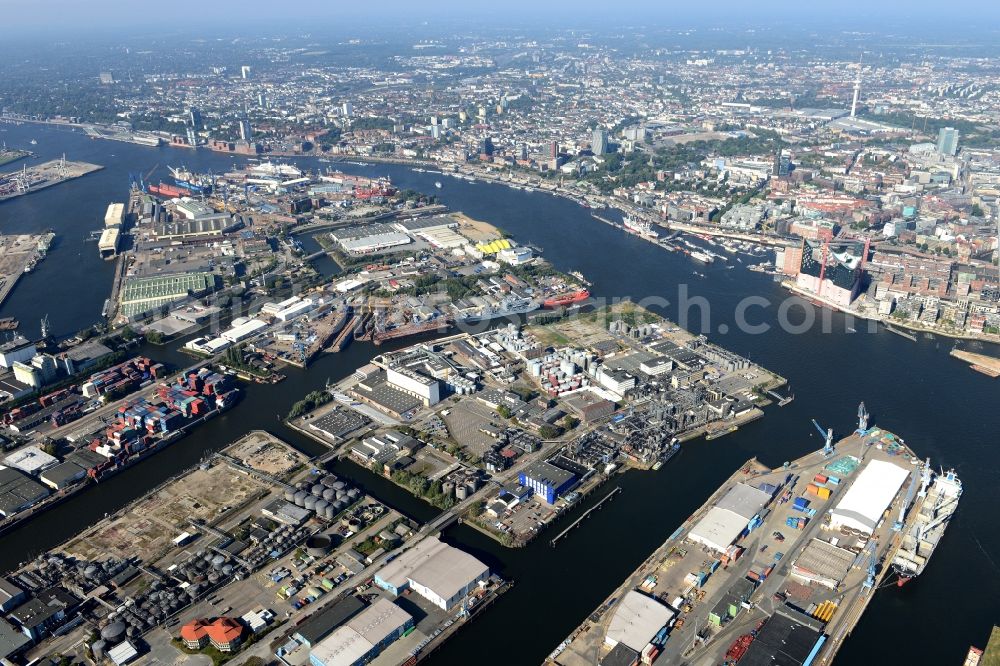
[[724, 523], [30, 460], [115, 215], [824, 563], [436, 571], [369, 238], [861, 508], [143, 294], [223, 633], [108, 243], [636, 621], [17, 349], [362, 637], [18, 492], [546, 480], [427, 389]]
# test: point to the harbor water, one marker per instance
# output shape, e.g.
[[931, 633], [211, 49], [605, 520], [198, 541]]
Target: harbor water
[[942, 409]]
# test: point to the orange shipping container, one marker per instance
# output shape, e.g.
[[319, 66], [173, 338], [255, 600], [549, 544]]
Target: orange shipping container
[[812, 488]]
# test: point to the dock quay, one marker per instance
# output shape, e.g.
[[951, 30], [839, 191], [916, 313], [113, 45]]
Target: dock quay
[[988, 365], [40, 176], [585, 515], [771, 553], [18, 255]]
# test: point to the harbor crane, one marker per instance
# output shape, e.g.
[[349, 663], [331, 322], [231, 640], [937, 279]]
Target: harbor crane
[[871, 549], [827, 436], [925, 480], [898, 525], [862, 419]]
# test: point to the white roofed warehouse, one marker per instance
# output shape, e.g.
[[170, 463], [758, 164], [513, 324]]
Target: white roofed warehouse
[[436, 571], [861, 508], [724, 522], [636, 621]]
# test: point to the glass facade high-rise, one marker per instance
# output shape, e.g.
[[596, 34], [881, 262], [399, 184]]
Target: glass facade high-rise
[[947, 143], [599, 142]]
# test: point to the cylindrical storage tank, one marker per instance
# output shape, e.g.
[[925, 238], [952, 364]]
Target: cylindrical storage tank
[[300, 498], [341, 494], [289, 495], [114, 632], [227, 570], [318, 545], [320, 505], [338, 506], [329, 494], [331, 511], [218, 561], [448, 487], [310, 503], [317, 490], [339, 485], [99, 647], [472, 483], [354, 493], [461, 493]]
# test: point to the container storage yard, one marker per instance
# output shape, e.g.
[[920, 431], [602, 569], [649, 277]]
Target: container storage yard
[[779, 564]]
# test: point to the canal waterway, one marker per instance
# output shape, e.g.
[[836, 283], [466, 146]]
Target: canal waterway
[[940, 407]]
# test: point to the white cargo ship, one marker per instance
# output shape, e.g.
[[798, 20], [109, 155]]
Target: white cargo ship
[[940, 501]]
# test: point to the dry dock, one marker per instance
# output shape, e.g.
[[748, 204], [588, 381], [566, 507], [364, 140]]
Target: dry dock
[[767, 566]]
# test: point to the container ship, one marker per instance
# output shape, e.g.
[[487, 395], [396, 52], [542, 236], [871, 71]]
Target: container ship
[[639, 227], [939, 505], [566, 298]]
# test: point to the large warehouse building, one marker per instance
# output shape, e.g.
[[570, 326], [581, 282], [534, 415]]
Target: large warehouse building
[[636, 621], [861, 508], [363, 637], [148, 293], [436, 571], [725, 521]]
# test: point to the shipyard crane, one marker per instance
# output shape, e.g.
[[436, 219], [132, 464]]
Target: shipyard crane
[[914, 476], [827, 436], [862, 419]]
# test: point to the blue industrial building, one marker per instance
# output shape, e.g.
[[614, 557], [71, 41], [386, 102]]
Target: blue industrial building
[[546, 480]]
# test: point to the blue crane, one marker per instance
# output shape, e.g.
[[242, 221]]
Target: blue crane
[[827, 436]]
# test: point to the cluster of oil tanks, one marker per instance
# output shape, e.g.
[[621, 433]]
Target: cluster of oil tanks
[[327, 498], [275, 544], [67, 571], [206, 569]]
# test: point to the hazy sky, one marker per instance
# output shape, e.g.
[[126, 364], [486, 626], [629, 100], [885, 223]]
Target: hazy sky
[[82, 16]]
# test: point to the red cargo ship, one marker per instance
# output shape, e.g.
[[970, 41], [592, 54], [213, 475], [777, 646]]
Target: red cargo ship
[[567, 298], [170, 191]]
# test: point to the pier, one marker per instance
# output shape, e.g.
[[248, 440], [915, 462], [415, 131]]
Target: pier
[[583, 517]]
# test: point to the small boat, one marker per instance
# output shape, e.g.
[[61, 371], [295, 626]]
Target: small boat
[[33, 142], [437, 184], [851, 330]]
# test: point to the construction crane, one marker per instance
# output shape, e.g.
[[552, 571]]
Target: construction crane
[[914, 476], [827, 436], [871, 548], [862, 419]]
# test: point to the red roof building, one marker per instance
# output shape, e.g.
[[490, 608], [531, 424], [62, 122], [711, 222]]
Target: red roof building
[[224, 633]]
